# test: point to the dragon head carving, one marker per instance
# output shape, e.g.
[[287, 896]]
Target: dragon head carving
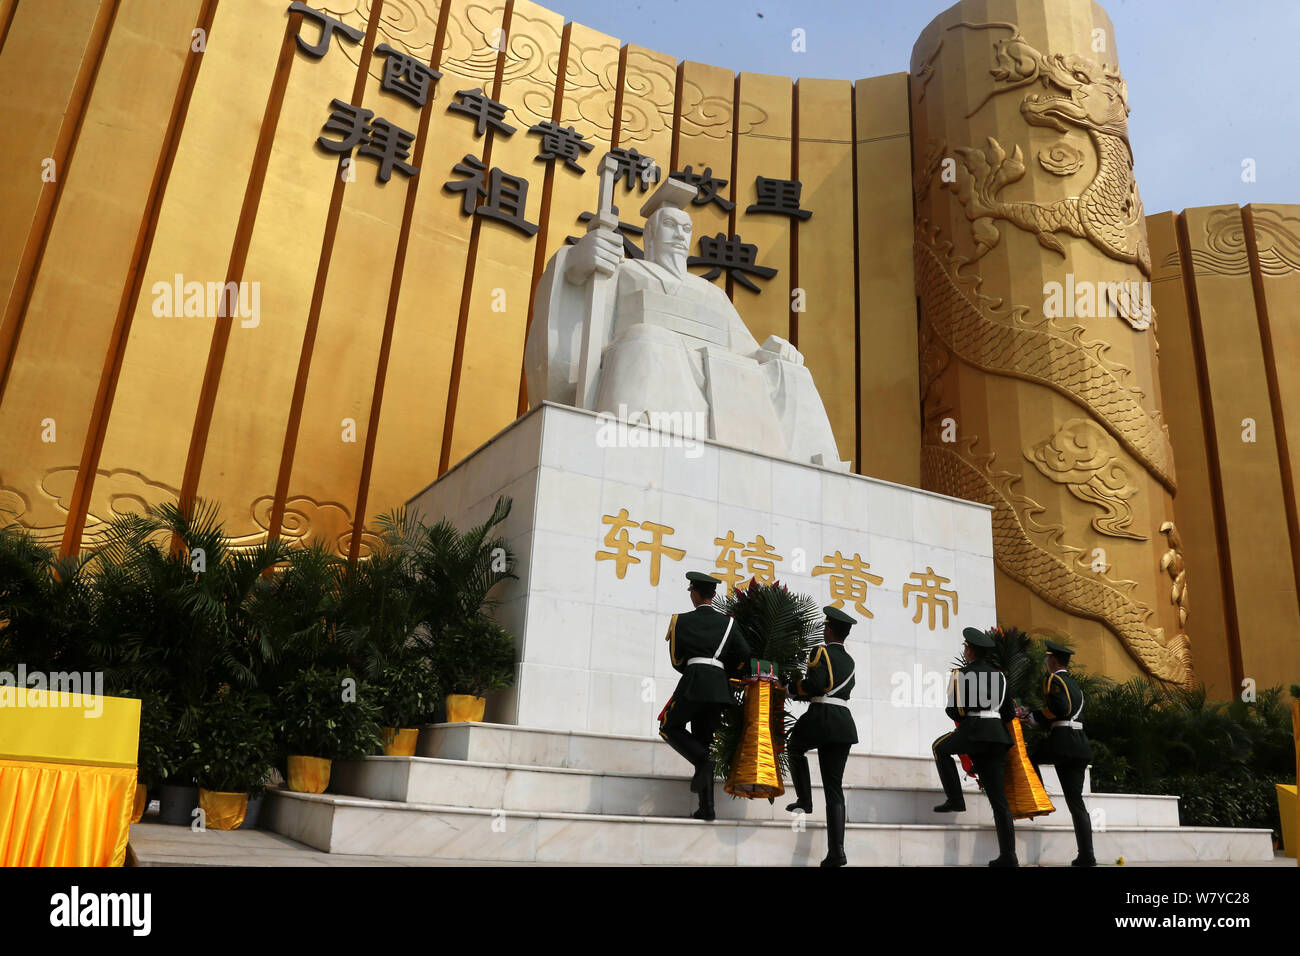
[[1080, 91], [1093, 96]]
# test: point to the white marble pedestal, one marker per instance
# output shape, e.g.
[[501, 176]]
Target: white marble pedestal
[[590, 626]]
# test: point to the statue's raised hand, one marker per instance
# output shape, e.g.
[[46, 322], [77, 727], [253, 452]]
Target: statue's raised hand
[[600, 250]]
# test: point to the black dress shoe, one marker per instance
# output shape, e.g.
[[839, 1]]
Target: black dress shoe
[[791, 808], [1004, 861], [835, 859], [1080, 861], [704, 813], [951, 806]]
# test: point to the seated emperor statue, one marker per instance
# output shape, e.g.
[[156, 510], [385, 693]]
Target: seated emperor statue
[[673, 349]]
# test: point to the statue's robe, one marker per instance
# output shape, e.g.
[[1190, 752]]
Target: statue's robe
[[676, 349]]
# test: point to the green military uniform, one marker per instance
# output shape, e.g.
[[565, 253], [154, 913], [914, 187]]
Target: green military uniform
[[827, 727], [1067, 746], [705, 647], [980, 704]]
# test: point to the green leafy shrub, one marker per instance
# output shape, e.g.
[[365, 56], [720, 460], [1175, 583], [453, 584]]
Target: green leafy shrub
[[405, 691], [317, 715], [234, 747]]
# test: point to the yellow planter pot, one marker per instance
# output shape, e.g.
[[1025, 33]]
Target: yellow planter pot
[[462, 708], [400, 743], [222, 811], [309, 774], [141, 801]]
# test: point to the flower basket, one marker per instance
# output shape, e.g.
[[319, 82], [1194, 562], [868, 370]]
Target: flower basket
[[754, 770], [1024, 790]]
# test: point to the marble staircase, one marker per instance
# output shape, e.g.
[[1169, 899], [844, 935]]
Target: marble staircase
[[500, 792]]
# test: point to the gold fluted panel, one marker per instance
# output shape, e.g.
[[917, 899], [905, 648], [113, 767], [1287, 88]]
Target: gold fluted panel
[[1235, 297], [496, 316], [1194, 505], [587, 105], [47, 114], [254, 399], [165, 354], [888, 414], [408, 439], [705, 141], [826, 251], [329, 447], [85, 270], [764, 149], [1049, 415]]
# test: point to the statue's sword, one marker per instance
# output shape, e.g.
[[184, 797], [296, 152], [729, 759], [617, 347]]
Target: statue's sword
[[594, 332]]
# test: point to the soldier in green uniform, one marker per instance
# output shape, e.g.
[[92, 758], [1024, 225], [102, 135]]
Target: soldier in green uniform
[[705, 648], [979, 702], [1066, 745], [826, 727]]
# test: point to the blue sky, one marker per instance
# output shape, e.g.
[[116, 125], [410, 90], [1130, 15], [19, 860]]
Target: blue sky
[[1211, 82]]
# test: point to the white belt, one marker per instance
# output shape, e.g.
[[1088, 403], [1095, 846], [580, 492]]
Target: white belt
[[1073, 724], [836, 701], [992, 714], [705, 660]]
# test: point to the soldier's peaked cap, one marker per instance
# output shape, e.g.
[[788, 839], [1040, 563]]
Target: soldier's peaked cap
[[699, 577], [835, 614], [976, 638], [1058, 650]]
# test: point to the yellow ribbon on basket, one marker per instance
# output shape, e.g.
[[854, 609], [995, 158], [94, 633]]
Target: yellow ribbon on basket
[[754, 772], [1024, 790]]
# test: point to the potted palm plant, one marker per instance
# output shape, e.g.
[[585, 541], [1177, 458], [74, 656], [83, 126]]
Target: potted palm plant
[[173, 616], [451, 575], [322, 716]]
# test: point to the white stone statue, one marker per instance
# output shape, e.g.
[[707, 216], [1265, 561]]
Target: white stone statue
[[643, 338]]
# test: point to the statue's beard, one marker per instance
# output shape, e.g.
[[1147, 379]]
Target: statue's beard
[[671, 259]]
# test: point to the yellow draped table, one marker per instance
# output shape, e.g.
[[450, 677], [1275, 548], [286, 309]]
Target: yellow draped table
[[67, 777]]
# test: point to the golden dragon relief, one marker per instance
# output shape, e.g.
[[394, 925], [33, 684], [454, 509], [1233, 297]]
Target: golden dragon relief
[[962, 319], [1052, 579], [1078, 94], [1084, 458]]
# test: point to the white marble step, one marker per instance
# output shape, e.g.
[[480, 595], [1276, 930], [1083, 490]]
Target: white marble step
[[471, 783], [579, 750], [355, 825]]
